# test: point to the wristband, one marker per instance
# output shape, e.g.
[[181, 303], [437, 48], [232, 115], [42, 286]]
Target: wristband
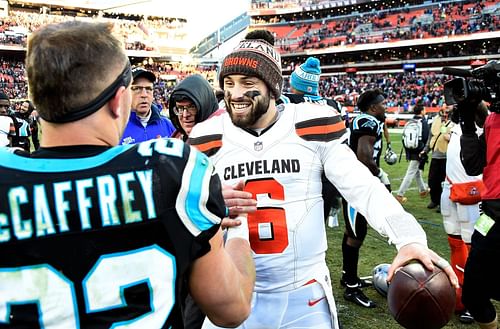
[[240, 231]]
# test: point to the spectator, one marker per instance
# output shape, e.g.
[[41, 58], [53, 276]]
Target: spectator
[[116, 234], [146, 121], [7, 128], [414, 157], [192, 100], [438, 144]]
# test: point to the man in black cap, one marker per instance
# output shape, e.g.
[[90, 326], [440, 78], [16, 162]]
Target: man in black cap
[[146, 121]]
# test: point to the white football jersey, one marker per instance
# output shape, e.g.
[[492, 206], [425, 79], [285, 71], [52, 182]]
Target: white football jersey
[[282, 168], [454, 167]]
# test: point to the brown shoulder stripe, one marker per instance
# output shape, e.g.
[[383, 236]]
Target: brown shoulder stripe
[[209, 144], [321, 129]]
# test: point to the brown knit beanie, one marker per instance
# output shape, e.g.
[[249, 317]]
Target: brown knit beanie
[[255, 56]]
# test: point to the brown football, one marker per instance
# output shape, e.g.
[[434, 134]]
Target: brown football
[[418, 298]]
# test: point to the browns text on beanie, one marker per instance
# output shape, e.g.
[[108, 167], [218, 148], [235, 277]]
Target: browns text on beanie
[[305, 78], [255, 56]]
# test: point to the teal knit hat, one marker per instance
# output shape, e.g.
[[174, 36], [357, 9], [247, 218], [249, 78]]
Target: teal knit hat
[[305, 78]]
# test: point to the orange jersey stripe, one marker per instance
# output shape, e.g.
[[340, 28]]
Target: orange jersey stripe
[[323, 129], [209, 145]]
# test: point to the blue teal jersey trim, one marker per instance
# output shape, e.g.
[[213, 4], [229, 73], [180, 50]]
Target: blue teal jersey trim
[[196, 193], [10, 160]]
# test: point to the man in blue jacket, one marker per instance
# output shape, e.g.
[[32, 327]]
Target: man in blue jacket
[[145, 120]]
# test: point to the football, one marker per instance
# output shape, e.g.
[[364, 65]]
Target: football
[[419, 298]]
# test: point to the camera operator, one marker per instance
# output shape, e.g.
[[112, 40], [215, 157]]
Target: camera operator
[[481, 154]]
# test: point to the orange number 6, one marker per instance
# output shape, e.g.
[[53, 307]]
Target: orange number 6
[[267, 226]]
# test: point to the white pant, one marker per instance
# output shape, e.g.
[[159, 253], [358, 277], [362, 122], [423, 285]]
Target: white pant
[[458, 219], [309, 306], [412, 172]]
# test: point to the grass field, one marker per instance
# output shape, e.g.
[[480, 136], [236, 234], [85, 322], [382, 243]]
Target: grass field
[[376, 250]]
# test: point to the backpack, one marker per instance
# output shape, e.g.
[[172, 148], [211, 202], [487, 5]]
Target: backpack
[[412, 134]]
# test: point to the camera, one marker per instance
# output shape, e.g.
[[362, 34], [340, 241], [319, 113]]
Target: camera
[[482, 83]]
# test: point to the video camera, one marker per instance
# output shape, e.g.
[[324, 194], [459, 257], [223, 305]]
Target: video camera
[[482, 83]]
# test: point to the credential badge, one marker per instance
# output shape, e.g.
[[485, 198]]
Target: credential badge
[[258, 146]]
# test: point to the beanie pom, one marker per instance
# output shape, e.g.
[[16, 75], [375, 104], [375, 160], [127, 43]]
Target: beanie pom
[[312, 65]]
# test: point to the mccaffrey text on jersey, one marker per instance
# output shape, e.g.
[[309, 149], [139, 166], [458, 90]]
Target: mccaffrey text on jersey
[[120, 198]]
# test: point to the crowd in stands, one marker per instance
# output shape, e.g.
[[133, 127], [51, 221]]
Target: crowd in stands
[[136, 35], [13, 79], [443, 20], [383, 25], [299, 4], [402, 89]]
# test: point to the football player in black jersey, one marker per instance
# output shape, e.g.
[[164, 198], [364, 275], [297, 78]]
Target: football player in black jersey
[[366, 141], [94, 235]]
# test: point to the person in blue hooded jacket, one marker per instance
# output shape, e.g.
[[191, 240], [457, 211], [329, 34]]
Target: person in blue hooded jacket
[[146, 121]]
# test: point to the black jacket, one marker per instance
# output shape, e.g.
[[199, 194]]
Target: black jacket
[[198, 90]]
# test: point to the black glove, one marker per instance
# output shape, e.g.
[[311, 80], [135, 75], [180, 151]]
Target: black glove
[[467, 113]]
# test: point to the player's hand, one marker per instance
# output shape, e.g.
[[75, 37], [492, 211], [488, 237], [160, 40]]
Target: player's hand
[[426, 256], [238, 201]]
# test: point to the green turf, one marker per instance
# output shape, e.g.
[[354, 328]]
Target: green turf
[[376, 250]]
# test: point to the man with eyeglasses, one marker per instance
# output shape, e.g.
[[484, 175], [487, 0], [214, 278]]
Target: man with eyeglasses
[[192, 101], [7, 128], [146, 121]]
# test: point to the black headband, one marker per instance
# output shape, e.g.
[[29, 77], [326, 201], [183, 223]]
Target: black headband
[[81, 112], [379, 99]]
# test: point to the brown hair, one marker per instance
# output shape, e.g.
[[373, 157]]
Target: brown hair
[[69, 64]]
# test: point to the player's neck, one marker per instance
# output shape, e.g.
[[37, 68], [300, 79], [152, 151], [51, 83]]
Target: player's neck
[[89, 133], [266, 120]]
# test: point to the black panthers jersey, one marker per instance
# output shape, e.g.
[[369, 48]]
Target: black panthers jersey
[[297, 99], [106, 239], [366, 124]]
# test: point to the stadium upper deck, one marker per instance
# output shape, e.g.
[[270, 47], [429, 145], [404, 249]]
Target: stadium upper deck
[[381, 36]]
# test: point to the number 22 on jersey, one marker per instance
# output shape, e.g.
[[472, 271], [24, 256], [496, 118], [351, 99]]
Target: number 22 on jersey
[[103, 288]]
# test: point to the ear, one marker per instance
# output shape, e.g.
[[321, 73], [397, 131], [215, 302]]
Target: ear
[[116, 104]]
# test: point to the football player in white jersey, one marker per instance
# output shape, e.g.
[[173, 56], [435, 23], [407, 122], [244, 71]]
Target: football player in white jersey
[[281, 153]]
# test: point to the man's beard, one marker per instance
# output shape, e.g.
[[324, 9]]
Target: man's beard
[[260, 105]]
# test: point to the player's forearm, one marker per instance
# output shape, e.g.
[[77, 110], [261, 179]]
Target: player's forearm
[[241, 254], [238, 247], [364, 192], [225, 293], [240, 283]]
